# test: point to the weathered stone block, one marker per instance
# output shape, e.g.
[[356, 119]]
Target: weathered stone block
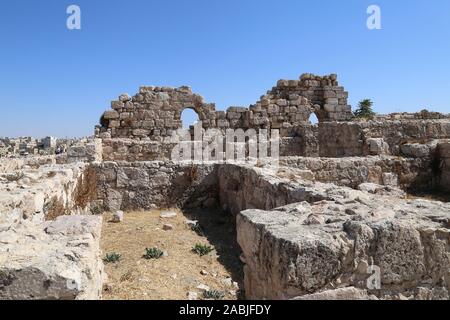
[[111, 115], [52, 260], [132, 177]]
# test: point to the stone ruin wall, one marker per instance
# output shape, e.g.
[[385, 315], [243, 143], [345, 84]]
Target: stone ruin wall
[[156, 184], [155, 112], [8, 165], [129, 170], [43, 193], [444, 157], [140, 128], [355, 138], [160, 184], [50, 239], [412, 174], [421, 115], [322, 238]]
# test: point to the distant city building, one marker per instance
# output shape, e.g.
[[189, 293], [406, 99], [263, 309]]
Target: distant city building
[[48, 143], [24, 146]]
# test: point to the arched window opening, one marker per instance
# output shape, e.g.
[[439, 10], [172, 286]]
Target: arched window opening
[[189, 118], [313, 119]]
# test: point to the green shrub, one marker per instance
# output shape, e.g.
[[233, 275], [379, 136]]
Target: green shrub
[[112, 257], [153, 253], [202, 249], [213, 295]]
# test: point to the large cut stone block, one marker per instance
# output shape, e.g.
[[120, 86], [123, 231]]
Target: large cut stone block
[[52, 260], [301, 249]]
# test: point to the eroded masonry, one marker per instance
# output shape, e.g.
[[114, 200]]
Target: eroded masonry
[[348, 201]]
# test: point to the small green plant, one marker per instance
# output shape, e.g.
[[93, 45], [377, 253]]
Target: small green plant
[[153, 253], [112, 257], [213, 295], [364, 110], [96, 210], [202, 249]]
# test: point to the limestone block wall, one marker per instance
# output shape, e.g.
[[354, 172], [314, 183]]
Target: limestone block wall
[[46, 192], [301, 140], [11, 164], [415, 138], [405, 173], [246, 187], [351, 138], [136, 150], [50, 239], [155, 112], [292, 102], [444, 155], [88, 151], [155, 184], [422, 115]]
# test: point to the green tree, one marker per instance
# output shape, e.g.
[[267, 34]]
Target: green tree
[[364, 110]]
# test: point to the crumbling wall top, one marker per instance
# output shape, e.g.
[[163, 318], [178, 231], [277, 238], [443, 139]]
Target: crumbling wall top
[[155, 112]]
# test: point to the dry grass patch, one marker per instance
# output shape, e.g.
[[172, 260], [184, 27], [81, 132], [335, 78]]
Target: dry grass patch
[[174, 274]]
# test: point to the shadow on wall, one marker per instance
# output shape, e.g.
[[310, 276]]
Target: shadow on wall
[[437, 185]]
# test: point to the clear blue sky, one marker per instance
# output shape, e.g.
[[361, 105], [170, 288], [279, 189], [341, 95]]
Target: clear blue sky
[[58, 82]]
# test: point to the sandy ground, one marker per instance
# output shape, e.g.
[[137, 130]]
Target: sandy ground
[[172, 276]]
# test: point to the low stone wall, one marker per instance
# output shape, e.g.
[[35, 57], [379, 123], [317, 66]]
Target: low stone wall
[[243, 187], [149, 185], [11, 164], [84, 151], [45, 192], [321, 237], [347, 139], [406, 173], [409, 139], [422, 115], [324, 237], [300, 141]]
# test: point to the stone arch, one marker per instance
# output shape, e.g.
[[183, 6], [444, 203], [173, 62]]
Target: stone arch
[[206, 112], [198, 109], [319, 112], [190, 113]]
